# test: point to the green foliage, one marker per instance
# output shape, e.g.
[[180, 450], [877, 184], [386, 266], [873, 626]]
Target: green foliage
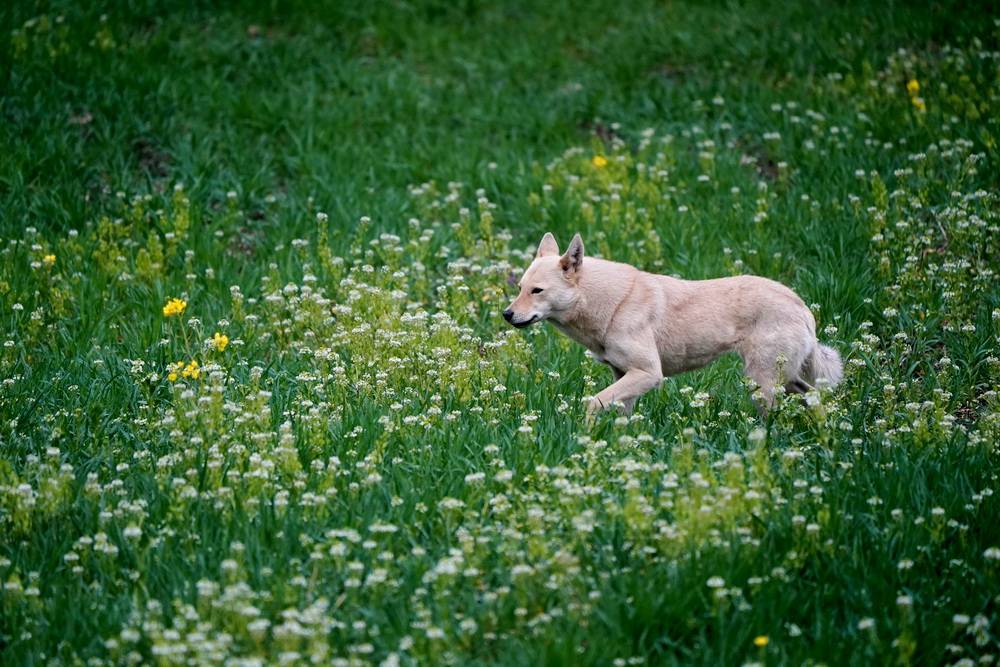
[[258, 404]]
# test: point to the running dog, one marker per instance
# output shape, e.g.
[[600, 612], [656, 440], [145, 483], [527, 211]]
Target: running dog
[[647, 326]]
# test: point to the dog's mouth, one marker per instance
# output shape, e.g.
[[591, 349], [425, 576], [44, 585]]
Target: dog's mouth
[[521, 325]]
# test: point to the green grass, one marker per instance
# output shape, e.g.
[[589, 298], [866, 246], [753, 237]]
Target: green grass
[[375, 467]]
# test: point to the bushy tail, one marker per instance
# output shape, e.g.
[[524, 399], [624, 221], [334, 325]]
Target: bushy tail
[[824, 367]]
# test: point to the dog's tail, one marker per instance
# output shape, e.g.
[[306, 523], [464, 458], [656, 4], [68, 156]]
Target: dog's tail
[[824, 367]]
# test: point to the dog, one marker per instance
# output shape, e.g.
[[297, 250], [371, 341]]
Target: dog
[[647, 326]]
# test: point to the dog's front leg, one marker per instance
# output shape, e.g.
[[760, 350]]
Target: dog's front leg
[[633, 384]]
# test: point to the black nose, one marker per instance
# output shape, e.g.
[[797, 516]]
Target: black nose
[[508, 314]]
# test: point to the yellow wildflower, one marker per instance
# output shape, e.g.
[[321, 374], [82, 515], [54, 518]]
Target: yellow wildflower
[[599, 161], [173, 369], [192, 370], [760, 641], [220, 341], [913, 87], [174, 307], [49, 260], [919, 103]]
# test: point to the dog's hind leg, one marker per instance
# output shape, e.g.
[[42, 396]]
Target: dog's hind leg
[[759, 366], [774, 363], [797, 386], [763, 396]]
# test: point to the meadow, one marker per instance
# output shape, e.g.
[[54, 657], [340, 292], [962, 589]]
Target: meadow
[[258, 405]]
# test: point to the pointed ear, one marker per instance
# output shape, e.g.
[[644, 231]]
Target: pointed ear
[[547, 246], [571, 261]]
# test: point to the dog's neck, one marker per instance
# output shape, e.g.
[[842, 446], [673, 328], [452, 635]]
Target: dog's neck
[[588, 320]]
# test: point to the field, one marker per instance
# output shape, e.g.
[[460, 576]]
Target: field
[[258, 404]]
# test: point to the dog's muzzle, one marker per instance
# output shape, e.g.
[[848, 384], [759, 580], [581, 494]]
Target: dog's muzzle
[[509, 316]]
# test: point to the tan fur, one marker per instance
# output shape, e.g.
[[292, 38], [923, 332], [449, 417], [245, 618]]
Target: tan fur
[[647, 326]]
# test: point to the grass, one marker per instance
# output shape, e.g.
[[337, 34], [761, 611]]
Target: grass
[[370, 467]]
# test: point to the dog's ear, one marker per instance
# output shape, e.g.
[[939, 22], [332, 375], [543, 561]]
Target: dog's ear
[[571, 261], [547, 246]]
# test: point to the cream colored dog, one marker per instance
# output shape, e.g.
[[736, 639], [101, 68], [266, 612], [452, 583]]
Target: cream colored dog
[[647, 326]]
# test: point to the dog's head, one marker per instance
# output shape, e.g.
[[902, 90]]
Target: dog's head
[[549, 286]]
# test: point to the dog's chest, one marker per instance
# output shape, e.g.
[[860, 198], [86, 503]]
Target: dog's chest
[[584, 337]]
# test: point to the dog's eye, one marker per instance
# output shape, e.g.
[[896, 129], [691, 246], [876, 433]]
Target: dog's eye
[[537, 290]]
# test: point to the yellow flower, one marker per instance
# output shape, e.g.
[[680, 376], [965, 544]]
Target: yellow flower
[[173, 370], [760, 641], [220, 341], [919, 103], [913, 87], [192, 371], [49, 260], [174, 307], [599, 161]]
